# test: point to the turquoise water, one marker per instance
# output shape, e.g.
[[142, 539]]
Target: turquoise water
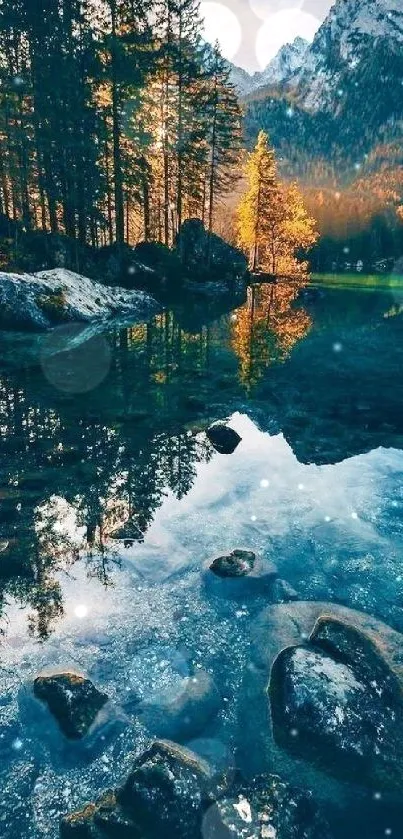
[[112, 499]]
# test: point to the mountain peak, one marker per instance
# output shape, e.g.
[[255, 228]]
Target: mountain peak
[[285, 64], [351, 28], [280, 70]]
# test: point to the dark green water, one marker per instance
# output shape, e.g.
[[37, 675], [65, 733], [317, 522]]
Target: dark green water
[[111, 500]]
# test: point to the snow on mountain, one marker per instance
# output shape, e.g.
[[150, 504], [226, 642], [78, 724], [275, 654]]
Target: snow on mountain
[[349, 32], [285, 64], [280, 71], [241, 79]]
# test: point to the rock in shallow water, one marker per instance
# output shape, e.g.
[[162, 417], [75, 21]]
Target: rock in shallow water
[[266, 808], [224, 439], [171, 792], [239, 573], [326, 681], [72, 699], [186, 714], [165, 794], [323, 711], [37, 301]]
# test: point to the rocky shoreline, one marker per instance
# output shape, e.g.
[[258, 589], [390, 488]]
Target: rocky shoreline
[[320, 720], [315, 730], [51, 298]]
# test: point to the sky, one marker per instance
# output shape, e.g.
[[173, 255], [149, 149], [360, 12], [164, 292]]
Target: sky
[[251, 32]]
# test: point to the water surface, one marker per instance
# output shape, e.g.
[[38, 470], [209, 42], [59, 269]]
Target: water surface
[[112, 499]]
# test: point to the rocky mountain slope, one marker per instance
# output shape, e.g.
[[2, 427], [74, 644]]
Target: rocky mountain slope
[[345, 99], [281, 70]]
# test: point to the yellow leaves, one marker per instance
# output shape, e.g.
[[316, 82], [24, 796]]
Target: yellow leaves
[[272, 221], [266, 329]]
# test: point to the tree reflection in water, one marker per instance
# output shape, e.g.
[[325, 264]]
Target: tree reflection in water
[[78, 470], [265, 331]]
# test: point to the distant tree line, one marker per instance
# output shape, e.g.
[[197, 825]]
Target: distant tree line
[[117, 121]]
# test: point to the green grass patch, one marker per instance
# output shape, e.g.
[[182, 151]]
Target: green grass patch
[[357, 281]]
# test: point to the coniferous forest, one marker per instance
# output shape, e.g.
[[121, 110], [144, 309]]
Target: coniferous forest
[[117, 121]]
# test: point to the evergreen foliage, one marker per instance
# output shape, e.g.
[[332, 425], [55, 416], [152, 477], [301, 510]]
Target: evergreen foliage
[[106, 109]]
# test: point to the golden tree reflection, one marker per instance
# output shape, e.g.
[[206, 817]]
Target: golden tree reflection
[[265, 330]]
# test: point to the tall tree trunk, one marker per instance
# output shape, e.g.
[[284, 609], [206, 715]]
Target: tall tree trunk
[[212, 177], [165, 125], [146, 200], [116, 133], [180, 125], [108, 183]]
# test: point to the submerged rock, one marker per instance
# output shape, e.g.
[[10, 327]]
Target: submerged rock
[[166, 794], [186, 714], [58, 296], [167, 791], [72, 699], [239, 573], [224, 439], [266, 808], [282, 592], [325, 683]]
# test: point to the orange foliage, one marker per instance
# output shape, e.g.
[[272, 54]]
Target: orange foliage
[[266, 329]]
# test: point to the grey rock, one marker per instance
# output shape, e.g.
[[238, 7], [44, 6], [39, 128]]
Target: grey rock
[[187, 713], [265, 742], [50, 298], [323, 712], [167, 791], [348, 643], [165, 794], [282, 592]]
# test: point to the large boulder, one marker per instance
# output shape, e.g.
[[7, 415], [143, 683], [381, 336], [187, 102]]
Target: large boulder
[[51, 298], [325, 683], [205, 256], [324, 712], [161, 260], [167, 791], [165, 794], [72, 699]]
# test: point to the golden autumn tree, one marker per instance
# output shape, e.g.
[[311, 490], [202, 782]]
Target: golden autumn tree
[[272, 222]]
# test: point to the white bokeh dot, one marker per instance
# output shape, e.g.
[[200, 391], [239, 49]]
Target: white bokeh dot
[[81, 610], [222, 25], [283, 27], [262, 9]]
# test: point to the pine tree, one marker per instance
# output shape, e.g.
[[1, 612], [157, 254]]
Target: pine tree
[[261, 211], [272, 222], [224, 135]]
